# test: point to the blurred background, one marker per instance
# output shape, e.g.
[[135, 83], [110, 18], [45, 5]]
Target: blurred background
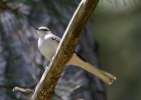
[[115, 26]]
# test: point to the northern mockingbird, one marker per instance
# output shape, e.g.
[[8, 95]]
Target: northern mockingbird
[[48, 43]]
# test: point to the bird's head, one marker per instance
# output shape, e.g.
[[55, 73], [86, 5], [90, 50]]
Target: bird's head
[[42, 31]]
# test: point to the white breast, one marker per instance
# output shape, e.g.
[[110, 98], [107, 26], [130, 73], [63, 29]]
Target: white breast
[[47, 46]]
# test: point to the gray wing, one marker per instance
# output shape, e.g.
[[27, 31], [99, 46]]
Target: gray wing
[[56, 38]]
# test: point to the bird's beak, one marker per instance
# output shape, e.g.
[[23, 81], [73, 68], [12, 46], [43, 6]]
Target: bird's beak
[[36, 28]]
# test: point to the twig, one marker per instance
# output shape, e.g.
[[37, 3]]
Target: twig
[[46, 86], [26, 91]]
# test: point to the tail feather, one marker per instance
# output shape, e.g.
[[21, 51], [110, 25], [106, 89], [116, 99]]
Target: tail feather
[[104, 76]]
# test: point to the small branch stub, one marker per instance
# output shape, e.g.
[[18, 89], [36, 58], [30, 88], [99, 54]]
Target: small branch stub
[[46, 86]]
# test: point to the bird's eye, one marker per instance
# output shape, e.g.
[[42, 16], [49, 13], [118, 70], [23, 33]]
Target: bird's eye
[[45, 29], [42, 28]]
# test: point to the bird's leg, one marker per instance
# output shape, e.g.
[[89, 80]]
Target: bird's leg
[[104, 76]]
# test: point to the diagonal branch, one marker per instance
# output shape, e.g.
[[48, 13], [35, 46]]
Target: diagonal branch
[[46, 86]]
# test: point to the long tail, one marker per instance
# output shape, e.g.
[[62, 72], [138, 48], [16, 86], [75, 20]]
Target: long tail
[[104, 76]]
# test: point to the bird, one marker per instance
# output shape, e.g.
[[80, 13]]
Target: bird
[[47, 45]]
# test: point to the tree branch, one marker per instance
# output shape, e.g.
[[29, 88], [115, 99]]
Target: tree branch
[[46, 86]]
